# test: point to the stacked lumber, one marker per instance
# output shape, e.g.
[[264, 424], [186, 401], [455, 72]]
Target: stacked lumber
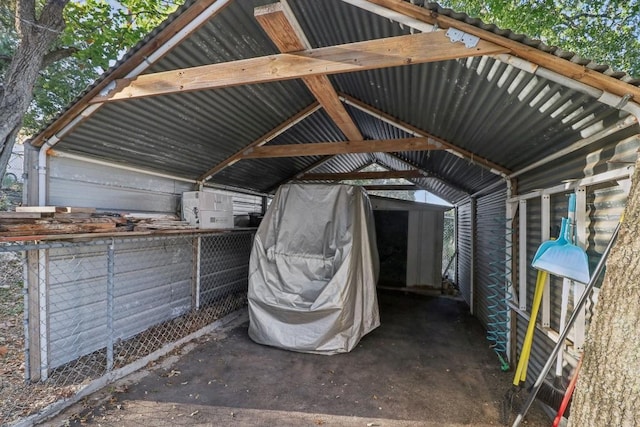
[[55, 220], [150, 221], [45, 220]]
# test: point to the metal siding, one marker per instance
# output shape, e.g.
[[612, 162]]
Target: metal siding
[[76, 303], [604, 207], [153, 285], [490, 255], [76, 183], [609, 153], [605, 203], [464, 247]]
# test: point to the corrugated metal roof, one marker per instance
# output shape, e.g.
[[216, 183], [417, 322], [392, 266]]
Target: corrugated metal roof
[[484, 106]]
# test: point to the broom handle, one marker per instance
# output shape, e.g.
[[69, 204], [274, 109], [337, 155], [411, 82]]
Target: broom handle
[[567, 395], [563, 335]]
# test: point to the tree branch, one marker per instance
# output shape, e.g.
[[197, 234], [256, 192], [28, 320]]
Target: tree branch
[[57, 55]]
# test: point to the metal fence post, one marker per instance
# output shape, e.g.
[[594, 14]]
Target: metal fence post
[[110, 292]]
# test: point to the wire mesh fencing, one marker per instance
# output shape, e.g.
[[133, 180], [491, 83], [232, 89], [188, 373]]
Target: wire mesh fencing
[[449, 247], [82, 310]]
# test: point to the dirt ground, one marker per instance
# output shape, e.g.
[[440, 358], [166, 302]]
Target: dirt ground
[[428, 364]]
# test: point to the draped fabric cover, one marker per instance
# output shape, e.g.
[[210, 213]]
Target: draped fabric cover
[[313, 270]]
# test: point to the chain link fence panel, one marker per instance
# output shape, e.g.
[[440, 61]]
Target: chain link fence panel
[[88, 308], [449, 247]]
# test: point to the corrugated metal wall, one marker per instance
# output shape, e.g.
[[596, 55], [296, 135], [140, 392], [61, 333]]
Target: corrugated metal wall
[[73, 182], [605, 203], [76, 183], [490, 256], [464, 244], [154, 281], [77, 317]]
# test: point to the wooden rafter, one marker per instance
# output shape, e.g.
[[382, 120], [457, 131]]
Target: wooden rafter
[[306, 170], [392, 187], [461, 152], [413, 173], [360, 56], [329, 148], [559, 65], [282, 27], [260, 141]]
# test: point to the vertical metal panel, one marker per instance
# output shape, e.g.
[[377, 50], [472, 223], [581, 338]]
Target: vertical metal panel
[[76, 183], [464, 245], [77, 315], [424, 248], [153, 283], [490, 231]]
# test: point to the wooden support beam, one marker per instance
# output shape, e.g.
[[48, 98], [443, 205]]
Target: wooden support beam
[[260, 141], [392, 187], [460, 152], [306, 170], [561, 66], [360, 56], [413, 173], [329, 148], [282, 27]]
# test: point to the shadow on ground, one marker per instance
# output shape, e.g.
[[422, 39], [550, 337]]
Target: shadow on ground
[[428, 364]]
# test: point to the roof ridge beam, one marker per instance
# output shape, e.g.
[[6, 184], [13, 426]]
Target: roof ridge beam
[[342, 176], [349, 147]]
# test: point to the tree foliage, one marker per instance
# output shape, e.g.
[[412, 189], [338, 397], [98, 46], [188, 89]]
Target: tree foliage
[[606, 31]]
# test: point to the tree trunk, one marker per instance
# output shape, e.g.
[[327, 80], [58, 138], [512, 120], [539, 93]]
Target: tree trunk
[[36, 38], [608, 389]]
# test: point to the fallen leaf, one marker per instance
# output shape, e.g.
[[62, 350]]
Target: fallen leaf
[[3, 350]]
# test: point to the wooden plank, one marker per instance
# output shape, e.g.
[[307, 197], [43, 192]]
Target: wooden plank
[[282, 27], [20, 215], [466, 154], [360, 56], [33, 289], [260, 141], [559, 65], [391, 187], [324, 92], [328, 148], [413, 173], [279, 22], [55, 209]]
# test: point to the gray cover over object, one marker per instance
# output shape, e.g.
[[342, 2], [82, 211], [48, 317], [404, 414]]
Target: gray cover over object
[[313, 270]]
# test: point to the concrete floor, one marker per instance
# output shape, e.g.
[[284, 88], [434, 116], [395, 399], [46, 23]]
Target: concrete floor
[[428, 364]]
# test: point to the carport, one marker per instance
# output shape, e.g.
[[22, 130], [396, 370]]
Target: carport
[[242, 96]]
